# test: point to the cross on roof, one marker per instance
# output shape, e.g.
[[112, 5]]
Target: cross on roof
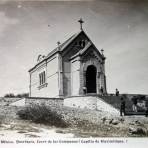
[[81, 22]]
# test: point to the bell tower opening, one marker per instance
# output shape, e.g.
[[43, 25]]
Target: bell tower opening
[[91, 79]]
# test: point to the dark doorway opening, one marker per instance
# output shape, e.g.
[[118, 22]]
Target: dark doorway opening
[[91, 79]]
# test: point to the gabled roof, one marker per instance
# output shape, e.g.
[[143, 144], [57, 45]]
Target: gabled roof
[[64, 45], [82, 50], [68, 41], [60, 48]]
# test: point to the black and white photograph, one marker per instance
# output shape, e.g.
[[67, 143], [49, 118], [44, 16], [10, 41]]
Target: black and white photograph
[[73, 69]]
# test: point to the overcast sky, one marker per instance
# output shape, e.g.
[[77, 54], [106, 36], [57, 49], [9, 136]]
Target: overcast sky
[[120, 27]]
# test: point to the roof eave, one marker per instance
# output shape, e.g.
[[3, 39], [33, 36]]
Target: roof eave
[[46, 58]]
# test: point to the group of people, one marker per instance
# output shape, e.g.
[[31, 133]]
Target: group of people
[[102, 91]]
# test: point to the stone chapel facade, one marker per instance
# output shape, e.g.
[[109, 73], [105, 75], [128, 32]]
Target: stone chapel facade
[[74, 68]]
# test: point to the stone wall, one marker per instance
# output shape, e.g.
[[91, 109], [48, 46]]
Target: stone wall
[[44, 101], [81, 102], [90, 102]]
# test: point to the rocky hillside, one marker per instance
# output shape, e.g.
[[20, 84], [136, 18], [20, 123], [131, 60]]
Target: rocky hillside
[[4, 101], [82, 122]]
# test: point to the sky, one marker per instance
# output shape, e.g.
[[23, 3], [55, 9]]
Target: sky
[[120, 27]]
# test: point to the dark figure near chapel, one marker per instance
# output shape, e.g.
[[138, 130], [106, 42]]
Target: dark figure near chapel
[[101, 90], [134, 106], [122, 107], [84, 90], [117, 92]]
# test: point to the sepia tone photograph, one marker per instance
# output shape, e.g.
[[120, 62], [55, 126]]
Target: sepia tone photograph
[[73, 69]]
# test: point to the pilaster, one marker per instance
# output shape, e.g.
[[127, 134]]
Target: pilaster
[[60, 74]]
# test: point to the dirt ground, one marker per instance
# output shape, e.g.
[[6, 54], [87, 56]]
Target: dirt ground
[[94, 124]]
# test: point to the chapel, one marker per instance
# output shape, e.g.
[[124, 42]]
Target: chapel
[[74, 68]]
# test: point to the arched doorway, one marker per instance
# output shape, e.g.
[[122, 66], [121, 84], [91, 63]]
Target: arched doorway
[[91, 79]]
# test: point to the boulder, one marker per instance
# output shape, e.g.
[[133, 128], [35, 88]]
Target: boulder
[[121, 120], [137, 122], [114, 122], [137, 131]]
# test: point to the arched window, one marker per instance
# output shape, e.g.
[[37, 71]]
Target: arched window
[[42, 78], [83, 43]]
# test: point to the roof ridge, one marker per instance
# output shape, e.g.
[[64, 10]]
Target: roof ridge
[[62, 47], [64, 44], [69, 39]]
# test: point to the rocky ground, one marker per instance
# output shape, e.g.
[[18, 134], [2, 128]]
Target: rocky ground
[[83, 123]]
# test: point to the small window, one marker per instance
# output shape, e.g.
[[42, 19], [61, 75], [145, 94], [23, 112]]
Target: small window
[[42, 78], [82, 44]]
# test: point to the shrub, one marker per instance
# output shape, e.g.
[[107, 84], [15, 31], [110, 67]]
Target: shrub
[[9, 95], [42, 114], [22, 95]]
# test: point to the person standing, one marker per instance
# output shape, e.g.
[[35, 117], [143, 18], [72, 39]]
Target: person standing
[[84, 90], [122, 107], [134, 106], [117, 92], [101, 90]]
